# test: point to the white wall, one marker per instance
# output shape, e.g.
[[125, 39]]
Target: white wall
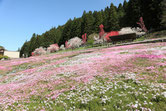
[[12, 54]]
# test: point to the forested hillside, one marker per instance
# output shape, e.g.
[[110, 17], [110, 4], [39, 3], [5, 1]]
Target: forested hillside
[[112, 17]]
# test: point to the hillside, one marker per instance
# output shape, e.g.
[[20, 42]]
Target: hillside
[[129, 77], [113, 18]]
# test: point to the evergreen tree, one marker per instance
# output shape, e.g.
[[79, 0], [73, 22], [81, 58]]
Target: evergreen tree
[[48, 39], [59, 31], [38, 41], [163, 17], [151, 12], [121, 14], [123, 22], [76, 27], [32, 45], [113, 22], [87, 23], [105, 19], [25, 49], [66, 34], [97, 21], [133, 13], [125, 5]]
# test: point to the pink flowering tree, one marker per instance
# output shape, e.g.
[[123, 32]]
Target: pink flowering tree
[[102, 32], [84, 38], [142, 25], [32, 53], [53, 48], [39, 51]]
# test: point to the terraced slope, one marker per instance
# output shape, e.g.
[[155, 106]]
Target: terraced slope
[[129, 77]]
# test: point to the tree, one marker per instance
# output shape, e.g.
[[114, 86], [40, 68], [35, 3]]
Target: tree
[[163, 17], [125, 5], [25, 49], [113, 22], [58, 32], [47, 39], [32, 45], [76, 27], [133, 13], [38, 41], [97, 21], [87, 23], [151, 12], [105, 19], [121, 14], [66, 34], [123, 21]]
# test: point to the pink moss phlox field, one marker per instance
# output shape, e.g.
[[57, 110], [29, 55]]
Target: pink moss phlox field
[[150, 56], [71, 68]]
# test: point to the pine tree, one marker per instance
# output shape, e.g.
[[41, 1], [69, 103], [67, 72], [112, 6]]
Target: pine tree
[[25, 49], [125, 5], [113, 22], [59, 31], [151, 12], [32, 46], [66, 34], [163, 17], [98, 21], [87, 23], [38, 41], [105, 19], [76, 27], [133, 13], [121, 14], [124, 22]]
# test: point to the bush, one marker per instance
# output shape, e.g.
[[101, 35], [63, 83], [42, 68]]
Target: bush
[[91, 39], [90, 42], [4, 57]]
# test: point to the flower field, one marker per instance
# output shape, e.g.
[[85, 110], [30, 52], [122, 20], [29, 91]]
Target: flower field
[[119, 78]]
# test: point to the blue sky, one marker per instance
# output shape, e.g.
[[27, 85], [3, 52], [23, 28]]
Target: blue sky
[[19, 19]]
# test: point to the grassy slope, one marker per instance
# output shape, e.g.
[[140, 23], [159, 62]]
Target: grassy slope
[[154, 35], [119, 78]]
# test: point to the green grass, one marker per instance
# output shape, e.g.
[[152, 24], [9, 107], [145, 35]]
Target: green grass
[[140, 39]]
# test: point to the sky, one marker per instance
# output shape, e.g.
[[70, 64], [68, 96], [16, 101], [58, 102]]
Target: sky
[[19, 19]]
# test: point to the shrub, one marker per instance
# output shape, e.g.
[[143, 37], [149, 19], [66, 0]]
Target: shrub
[[53, 48], [91, 38], [4, 57], [90, 42]]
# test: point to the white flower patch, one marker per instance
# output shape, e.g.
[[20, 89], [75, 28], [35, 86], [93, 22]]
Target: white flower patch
[[82, 58], [164, 94]]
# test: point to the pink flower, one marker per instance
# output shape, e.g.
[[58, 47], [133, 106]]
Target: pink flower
[[150, 68]]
